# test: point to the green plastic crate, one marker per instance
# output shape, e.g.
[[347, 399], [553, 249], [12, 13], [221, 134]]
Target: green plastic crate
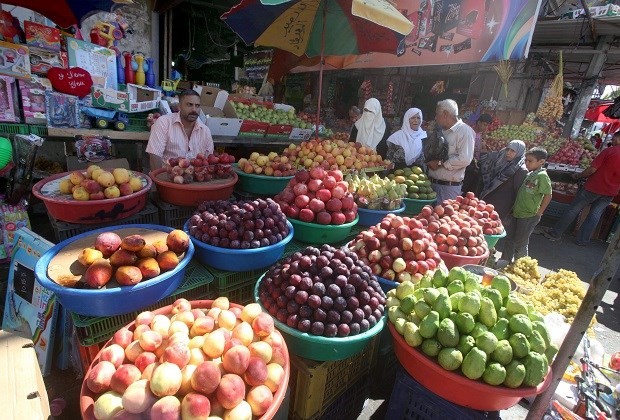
[[227, 280], [39, 130], [7, 128], [171, 215], [93, 330], [137, 124], [240, 293]]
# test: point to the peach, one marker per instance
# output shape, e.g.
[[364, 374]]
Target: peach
[[144, 360], [196, 342], [160, 350], [167, 408], [178, 337], [96, 172], [112, 192], [121, 175], [243, 332], [65, 186], [195, 407], [186, 382], [148, 267], [214, 312], [98, 274], [167, 261], [217, 410], [278, 356], [99, 378], [242, 411], [261, 349], [126, 415], [106, 179], [236, 360], [178, 326], [186, 317], [150, 340], [160, 246], [148, 371], [97, 196], [138, 397], [135, 183], [221, 302], [88, 256], [147, 251], [263, 325], [145, 317], [275, 376], [227, 319], [133, 350], [107, 243], [107, 405], [139, 330], [122, 337], [260, 399], [161, 324], [256, 372], [177, 241], [232, 343], [202, 326], [274, 339], [76, 177], [198, 313], [250, 312], [91, 186], [214, 344], [90, 169], [178, 354], [123, 257], [237, 311], [166, 379], [114, 354], [124, 376], [125, 189], [206, 377], [197, 356], [133, 243], [231, 390], [181, 305], [128, 275]]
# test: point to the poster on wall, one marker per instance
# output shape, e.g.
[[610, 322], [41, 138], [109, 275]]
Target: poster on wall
[[457, 32], [257, 64]]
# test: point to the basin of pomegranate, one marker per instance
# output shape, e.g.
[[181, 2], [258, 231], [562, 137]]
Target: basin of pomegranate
[[189, 195]]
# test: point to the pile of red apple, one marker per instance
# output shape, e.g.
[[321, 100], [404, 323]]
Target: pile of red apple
[[569, 154], [225, 361], [201, 168], [318, 196], [458, 226], [398, 249]]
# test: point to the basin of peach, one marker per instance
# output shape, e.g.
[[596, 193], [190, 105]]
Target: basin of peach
[[87, 397], [59, 264], [64, 207]]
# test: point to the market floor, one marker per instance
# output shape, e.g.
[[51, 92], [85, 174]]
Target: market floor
[[551, 256]]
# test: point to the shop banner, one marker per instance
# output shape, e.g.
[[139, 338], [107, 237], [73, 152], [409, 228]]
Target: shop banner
[[257, 64], [457, 32]]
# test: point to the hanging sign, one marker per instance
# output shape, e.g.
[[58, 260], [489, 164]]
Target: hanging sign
[[257, 64]]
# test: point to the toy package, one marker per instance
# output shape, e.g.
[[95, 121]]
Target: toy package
[[10, 29], [33, 99], [12, 218], [14, 60], [41, 36], [29, 307], [8, 100], [62, 110], [93, 148], [42, 60]]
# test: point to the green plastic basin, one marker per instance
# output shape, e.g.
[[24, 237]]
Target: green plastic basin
[[313, 233], [493, 239], [414, 207], [260, 184], [321, 348]]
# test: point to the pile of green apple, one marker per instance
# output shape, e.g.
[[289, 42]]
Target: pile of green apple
[[256, 112], [525, 132]]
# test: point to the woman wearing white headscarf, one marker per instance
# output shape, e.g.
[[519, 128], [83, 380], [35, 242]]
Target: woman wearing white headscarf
[[372, 130], [405, 146]]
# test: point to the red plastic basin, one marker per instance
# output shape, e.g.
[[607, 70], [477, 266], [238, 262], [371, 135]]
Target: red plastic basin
[[452, 260], [190, 195]]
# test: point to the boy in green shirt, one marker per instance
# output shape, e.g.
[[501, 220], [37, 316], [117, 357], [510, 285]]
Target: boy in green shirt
[[532, 199]]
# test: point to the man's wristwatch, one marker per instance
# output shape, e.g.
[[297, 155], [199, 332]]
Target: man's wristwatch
[[439, 163]]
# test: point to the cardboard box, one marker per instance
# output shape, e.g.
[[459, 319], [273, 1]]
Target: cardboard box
[[210, 96], [279, 130], [224, 126], [253, 128], [41, 36], [14, 60], [33, 99], [126, 101], [8, 100]]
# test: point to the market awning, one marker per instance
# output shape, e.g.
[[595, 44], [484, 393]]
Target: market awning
[[595, 113]]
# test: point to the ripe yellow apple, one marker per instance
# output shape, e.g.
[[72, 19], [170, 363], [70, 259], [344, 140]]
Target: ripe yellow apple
[[121, 175]]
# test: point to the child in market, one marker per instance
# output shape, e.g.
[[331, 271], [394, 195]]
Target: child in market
[[532, 199]]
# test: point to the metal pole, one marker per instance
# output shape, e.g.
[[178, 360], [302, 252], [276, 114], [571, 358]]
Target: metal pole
[[318, 108], [598, 286]]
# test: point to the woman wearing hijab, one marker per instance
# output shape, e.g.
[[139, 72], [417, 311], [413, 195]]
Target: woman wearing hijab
[[372, 130], [405, 146], [503, 173]]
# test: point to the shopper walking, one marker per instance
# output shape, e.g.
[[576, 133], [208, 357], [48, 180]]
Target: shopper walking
[[502, 175], [405, 145], [603, 183], [532, 199], [371, 129], [447, 176]]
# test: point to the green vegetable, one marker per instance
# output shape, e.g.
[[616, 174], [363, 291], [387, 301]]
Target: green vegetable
[[520, 345], [404, 289], [494, 295], [474, 363], [431, 347], [421, 309], [425, 281], [457, 273], [514, 305], [502, 353], [486, 342], [412, 335], [466, 343], [478, 330], [455, 299], [430, 295], [537, 343], [515, 373], [439, 279], [465, 322], [535, 369], [542, 330], [472, 283], [500, 329], [407, 303], [447, 334], [494, 374], [487, 314], [429, 325], [442, 306], [520, 323], [399, 325], [551, 351], [455, 287], [470, 303], [450, 358], [502, 284], [394, 313]]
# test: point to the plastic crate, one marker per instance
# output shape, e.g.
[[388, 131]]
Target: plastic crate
[[171, 215], [39, 130], [351, 403], [87, 355], [226, 280], [64, 230], [137, 124], [293, 247], [316, 385], [411, 401], [95, 330], [7, 128], [242, 293]]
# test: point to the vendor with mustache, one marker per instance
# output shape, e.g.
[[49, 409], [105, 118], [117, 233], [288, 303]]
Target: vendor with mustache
[[180, 134]]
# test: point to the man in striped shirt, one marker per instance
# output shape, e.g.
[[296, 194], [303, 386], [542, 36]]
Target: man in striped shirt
[[180, 134]]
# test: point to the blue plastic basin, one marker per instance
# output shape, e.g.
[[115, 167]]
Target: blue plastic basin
[[387, 285], [228, 259], [114, 300], [372, 217]]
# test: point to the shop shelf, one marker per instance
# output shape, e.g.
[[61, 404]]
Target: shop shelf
[[411, 401], [95, 330], [63, 230], [7, 128], [316, 386]]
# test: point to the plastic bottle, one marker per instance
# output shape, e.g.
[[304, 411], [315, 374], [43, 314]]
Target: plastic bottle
[[150, 73], [129, 75], [120, 71], [140, 76]]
